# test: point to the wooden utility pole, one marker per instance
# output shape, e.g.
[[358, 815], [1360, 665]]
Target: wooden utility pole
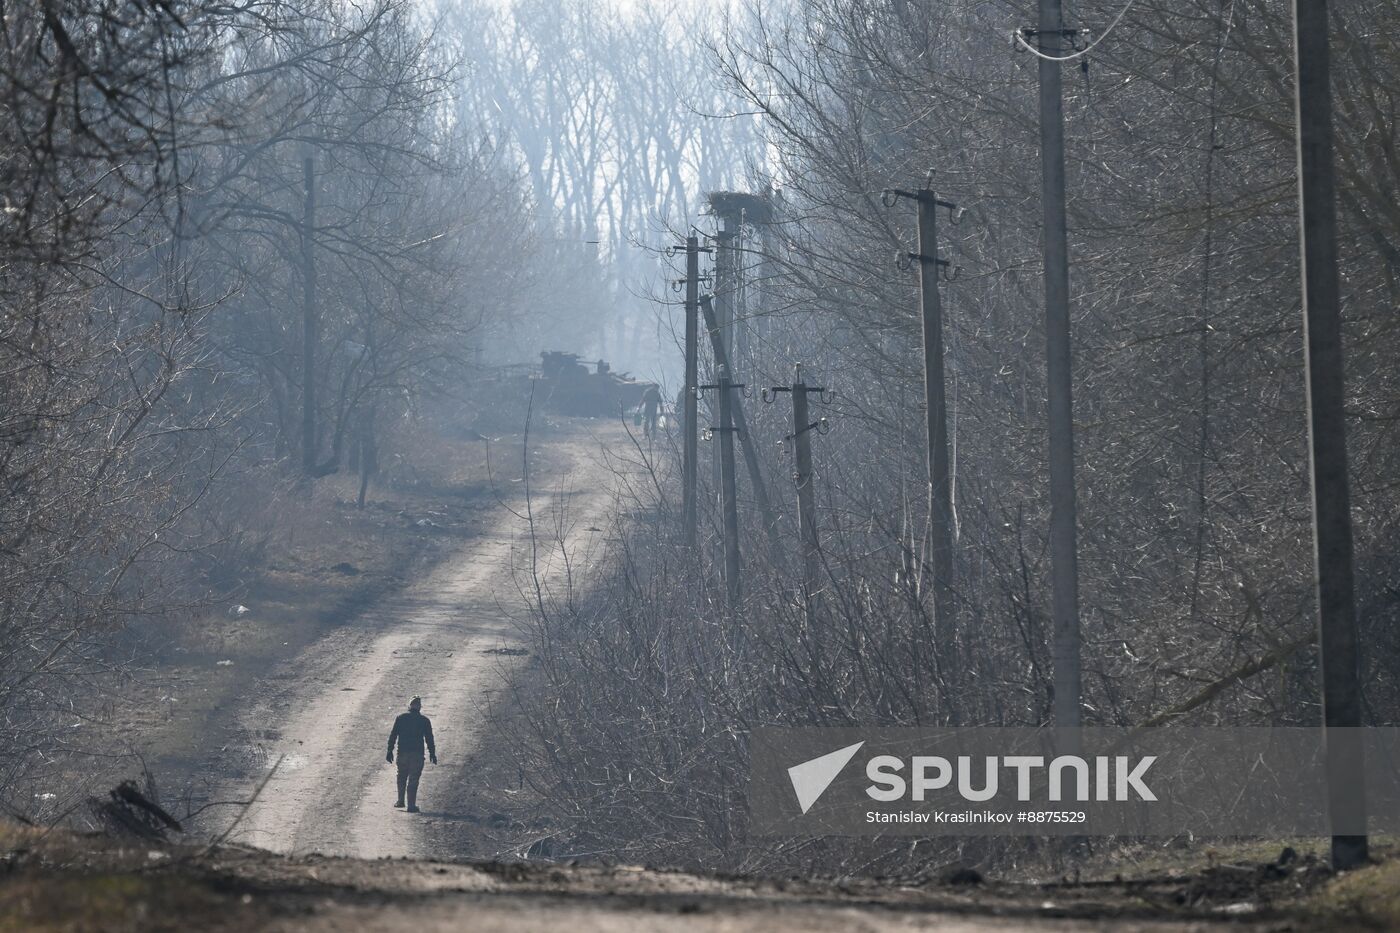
[[308, 321], [1064, 556], [691, 452], [801, 437], [729, 496], [746, 444], [1341, 692]]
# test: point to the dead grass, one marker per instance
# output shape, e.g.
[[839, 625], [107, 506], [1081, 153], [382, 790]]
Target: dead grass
[[57, 880], [1165, 857], [115, 903], [1181, 856], [1367, 898]]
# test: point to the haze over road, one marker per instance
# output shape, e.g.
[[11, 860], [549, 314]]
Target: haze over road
[[440, 638]]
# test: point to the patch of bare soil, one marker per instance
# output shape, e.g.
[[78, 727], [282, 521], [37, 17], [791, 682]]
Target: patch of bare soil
[[66, 882]]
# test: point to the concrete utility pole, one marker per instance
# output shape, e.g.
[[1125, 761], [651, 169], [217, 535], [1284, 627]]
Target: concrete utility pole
[[801, 437], [734, 209], [1341, 693], [723, 289], [1064, 557], [755, 471], [741, 313], [720, 324], [729, 497], [691, 453], [308, 321], [936, 429], [940, 485], [806, 501]]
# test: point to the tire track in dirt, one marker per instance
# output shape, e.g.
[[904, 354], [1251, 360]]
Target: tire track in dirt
[[439, 638]]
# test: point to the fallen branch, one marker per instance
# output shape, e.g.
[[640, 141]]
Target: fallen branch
[[1237, 676]]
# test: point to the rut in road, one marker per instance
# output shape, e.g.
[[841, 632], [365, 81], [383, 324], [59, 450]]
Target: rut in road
[[438, 638]]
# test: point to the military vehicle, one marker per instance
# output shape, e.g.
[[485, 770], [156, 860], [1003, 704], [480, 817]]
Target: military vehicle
[[572, 386]]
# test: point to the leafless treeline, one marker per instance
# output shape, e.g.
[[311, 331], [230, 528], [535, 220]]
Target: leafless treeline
[[1191, 438], [620, 124], [152, 245]]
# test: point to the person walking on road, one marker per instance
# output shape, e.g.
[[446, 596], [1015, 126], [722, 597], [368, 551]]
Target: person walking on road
[[412, 731], [651, 404]]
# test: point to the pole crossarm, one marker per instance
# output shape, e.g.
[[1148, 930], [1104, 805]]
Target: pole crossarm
[[889, 195], [919, 257], [815, 425], [712, 430]]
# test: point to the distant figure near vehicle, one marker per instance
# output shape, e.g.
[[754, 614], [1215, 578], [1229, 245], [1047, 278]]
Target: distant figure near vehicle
[[651, 403], [412, 731]]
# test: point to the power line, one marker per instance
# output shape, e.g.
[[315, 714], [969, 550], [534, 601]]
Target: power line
[[1019, 37]]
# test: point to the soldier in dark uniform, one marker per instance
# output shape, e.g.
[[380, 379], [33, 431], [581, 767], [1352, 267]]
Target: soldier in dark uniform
[[651, 404], [412, 731]]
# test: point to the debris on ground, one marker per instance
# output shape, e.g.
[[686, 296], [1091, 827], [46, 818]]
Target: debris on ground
[[962, 876], [130, 811]]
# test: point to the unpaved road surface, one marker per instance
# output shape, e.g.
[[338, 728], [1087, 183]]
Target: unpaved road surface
[[496, 899], [68, 884], [451, 638], [510, 899]]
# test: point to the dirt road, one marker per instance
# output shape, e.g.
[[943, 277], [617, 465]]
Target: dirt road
[[451, 638], [402, 896]]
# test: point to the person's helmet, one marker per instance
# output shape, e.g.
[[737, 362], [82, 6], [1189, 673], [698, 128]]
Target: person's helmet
[[415, 703]]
